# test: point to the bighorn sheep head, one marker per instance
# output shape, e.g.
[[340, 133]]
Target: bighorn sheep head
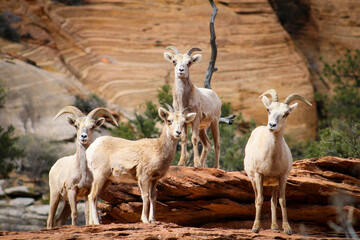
[[175, 120], [182, 62], [85, 125], [277, 111]]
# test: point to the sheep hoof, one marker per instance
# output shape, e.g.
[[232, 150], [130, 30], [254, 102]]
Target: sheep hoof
[[274, 227], [255, 229], [287, 229]]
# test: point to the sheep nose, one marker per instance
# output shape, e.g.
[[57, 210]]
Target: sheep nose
[[178, 132], [272, 125], [83, 136], [181, 69]]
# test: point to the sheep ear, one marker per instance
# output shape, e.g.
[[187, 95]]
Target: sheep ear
[[71, 121], [196, 58], [168, 56], [266, 101], [163, 114], [292, 107], [190, 117], [99, 122]]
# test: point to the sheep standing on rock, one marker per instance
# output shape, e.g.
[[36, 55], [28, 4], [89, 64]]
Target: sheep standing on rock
[[69, 177], [204, 102], [146, 160], [268, 159]]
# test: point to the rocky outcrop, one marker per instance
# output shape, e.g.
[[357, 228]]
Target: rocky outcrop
[[197, 196], [113, 47]]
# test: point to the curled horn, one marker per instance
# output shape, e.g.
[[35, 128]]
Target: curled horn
[[184, 110], [97, 112], [69, 109], [295, 96], [168, 106], [174, 49], [273, 94], [191, 50]]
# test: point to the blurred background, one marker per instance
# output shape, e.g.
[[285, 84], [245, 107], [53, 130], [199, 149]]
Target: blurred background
[[109, 53]]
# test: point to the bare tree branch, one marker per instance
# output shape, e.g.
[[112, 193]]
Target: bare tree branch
[[211, 69]]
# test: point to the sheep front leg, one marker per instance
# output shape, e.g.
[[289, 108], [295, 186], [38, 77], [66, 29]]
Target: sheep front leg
[[275, 192], [182, 160], [144, 186], [258, 201], [72, 202], [282, 201]]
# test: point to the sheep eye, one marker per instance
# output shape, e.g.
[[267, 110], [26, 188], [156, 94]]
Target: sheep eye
[[174, 62], [268, 110], [285, 115], [189, 63], [169, 122]]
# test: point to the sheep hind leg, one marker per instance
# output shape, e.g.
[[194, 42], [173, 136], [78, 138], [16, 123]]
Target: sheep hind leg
[[282, 201], [99, 183], [275, 193], [182, 160], [258, 201], [206, 146], [216, 136], [54, 202], [64, 215], [152, 202], [144, 186]]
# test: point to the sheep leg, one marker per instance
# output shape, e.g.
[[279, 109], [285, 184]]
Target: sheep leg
[[182, 160], [98, 185], [282, 201], [275, 192], [54, 202], [72, 201], [206, 145], [216, 136], [194, 140], [86, 211], [258, 201], [152, 202], [145, 192], [64, 215]]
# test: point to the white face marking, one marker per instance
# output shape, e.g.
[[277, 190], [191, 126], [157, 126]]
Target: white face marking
[[182, 63], [278, 113]]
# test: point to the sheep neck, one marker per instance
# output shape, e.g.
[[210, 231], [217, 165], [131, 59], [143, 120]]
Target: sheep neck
[[167, 146], [182, 91], [81, 162]]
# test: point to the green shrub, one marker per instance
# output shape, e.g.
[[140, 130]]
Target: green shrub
[[40, 154], [91, 102], [8, 151], [2, 93], [8, 32], [339, 114], [70, 2]]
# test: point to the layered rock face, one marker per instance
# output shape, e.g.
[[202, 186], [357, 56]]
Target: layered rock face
[[113, 47], [320, 29], [316, 188]]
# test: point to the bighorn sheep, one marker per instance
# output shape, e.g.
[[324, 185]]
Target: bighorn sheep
[[146, 160], [204, 102], [69, 177], [268, 159]]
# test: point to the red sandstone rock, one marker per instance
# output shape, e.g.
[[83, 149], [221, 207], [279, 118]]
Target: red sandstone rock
[[197, 196]]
